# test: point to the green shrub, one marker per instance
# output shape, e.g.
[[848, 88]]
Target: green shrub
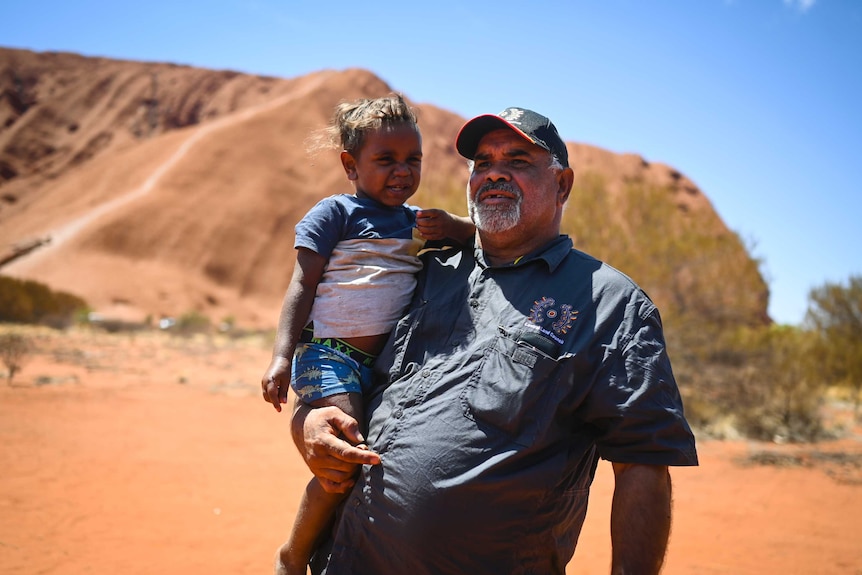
[[835, 315], [191, 323], [27, 301], [762, 381], [14, 349]]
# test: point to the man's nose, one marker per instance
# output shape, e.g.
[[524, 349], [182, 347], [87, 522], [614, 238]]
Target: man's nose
[[497, 172]]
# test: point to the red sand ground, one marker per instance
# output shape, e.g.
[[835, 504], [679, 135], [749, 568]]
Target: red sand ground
[[151, 454]]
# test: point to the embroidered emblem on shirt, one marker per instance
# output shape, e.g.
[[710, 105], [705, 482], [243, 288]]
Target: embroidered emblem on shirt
[[562, 316]]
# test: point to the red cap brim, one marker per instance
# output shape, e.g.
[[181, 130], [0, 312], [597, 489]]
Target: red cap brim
[[472, 132]]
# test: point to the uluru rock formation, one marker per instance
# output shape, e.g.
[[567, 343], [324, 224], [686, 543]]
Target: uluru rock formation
[[152, 189]]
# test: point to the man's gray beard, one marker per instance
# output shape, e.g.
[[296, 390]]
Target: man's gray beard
[[498, 217], [495, 218]]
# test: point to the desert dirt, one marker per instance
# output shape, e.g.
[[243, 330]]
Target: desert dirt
[[149, 453]]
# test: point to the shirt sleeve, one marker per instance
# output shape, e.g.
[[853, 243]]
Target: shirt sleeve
[[320, 229], [635, 406]]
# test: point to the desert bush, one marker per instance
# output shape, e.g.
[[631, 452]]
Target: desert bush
[[761, 382], [27, 301], [14, 349], [785, 390], [191, 323], [835, 315], [682, 264], [738, 374]]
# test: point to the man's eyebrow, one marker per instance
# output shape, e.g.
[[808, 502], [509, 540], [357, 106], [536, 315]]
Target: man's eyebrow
[[516, 152]]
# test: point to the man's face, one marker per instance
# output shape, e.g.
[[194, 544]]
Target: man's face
[[512, 187]]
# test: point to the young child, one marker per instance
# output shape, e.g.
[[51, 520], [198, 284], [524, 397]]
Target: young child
[[355, 271]]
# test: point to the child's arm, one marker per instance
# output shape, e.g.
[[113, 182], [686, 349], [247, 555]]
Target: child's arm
[[317, 507], [437, 224], [295, 310]]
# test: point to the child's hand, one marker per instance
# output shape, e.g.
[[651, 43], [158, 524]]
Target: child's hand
[[276, 381], [437, 224], [433, 224]]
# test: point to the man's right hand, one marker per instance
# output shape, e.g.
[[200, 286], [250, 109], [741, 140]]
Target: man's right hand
[[318, 434]]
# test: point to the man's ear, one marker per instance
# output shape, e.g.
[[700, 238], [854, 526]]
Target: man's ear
[[349, 164], [565, 180]]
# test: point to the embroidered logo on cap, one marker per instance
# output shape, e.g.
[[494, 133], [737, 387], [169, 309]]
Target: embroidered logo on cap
[[512, 115]]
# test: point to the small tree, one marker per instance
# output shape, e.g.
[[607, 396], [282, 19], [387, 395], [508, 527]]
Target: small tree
[[835, 314], [14, 349], [774, 393]]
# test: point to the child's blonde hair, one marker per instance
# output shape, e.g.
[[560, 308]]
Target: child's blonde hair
[[353, 120]]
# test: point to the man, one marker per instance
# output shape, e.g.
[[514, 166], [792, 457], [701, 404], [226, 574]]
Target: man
[[520, 363]]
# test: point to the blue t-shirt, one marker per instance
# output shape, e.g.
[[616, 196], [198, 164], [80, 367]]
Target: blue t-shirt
[[372, 258], [348, 217]]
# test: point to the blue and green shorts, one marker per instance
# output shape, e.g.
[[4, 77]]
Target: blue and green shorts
[[328, 366]]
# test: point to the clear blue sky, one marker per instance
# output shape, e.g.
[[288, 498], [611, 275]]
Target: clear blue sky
[[757, 101]]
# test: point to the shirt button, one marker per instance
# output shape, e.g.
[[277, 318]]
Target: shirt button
[[474, 303], [426, 373], [398, 413], [356, 502]]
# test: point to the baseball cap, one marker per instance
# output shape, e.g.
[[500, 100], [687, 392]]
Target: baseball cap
[[531, 125]]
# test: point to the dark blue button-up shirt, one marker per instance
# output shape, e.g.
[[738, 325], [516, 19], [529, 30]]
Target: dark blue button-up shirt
[[496, 396]]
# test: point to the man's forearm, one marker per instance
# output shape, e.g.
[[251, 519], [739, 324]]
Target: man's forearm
[[300, 411], [640, 519]]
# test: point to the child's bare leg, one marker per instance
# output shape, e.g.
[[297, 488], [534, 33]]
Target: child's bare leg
[[317, 507], [314, 517]]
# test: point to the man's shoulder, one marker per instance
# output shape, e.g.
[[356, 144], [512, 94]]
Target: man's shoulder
[[577, 260], [607, 273], [609, 284]]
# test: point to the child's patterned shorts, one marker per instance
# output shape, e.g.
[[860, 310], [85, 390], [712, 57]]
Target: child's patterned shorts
[[319, 371]]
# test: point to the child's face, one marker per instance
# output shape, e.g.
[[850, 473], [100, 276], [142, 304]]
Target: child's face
[[387, 167]]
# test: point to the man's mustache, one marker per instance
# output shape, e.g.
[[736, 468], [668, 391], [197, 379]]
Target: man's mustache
[[499, 187]]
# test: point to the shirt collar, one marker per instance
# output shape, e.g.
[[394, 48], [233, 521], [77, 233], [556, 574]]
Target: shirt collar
[[552, 253]]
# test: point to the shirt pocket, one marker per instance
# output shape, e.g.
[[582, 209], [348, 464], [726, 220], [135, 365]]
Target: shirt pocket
[[513, 392]]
